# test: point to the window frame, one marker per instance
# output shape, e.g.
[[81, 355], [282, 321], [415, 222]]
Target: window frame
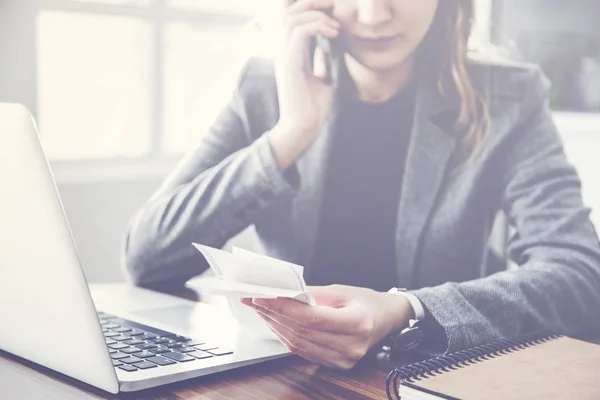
[[158, 14]]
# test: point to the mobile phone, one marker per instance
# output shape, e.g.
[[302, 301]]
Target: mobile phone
[[325, 46]]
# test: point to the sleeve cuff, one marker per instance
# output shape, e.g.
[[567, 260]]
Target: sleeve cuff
[[280, 182], [437, 339]]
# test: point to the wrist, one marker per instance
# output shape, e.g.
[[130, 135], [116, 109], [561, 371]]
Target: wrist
[[397, 312], [288, 143]]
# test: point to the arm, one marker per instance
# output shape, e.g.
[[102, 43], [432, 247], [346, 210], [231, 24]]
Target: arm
[[215, 193], [557, 284]]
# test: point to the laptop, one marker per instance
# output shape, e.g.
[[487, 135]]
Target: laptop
[[118, 338]]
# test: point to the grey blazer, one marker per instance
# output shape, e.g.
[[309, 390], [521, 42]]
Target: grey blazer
[[231, 181]]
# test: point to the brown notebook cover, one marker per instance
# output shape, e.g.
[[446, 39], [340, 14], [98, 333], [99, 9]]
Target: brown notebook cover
[[554, 367]]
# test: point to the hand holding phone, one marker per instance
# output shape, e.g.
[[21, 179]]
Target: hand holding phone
[[305, 90]]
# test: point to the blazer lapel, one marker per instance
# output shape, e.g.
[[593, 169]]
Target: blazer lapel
[[430, 150], [312, 168]]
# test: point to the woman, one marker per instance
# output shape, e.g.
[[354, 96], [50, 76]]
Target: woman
[[392, 177]]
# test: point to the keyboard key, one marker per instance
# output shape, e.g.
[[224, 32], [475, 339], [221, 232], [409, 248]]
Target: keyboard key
[[122, 329], [161, 341], [104, 330], [174, 345], [116, 363], [111, 351], [182, 339], [118, 356], [144, 354], [110, 334], [143, 327], [146, 346], [220, 351], [118, 346], [147, 336], [145, 365], [133, 342], [120, 338], [128, 368], [112, 326], [195, 342], [178, 357], [158, 350], [206, 347], [186, 350], [199, 354], [110, 341], [130, 350], [103, 315], [131, 360], [135, 333], [161, 361], [104, 322]]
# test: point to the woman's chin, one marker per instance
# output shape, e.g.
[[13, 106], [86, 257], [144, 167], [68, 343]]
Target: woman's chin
[[380, 61]]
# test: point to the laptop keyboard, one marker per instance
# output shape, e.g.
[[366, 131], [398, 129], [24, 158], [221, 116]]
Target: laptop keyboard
[[134, 346]]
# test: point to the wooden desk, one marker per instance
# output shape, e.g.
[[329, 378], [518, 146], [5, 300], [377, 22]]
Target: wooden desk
[[288, 378]]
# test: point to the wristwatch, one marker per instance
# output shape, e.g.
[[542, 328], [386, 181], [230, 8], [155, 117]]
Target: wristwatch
[[410, 337]]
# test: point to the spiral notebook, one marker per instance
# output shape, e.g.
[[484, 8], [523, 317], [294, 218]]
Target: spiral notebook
[[530, 367]]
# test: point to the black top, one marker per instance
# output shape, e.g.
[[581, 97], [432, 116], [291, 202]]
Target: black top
[[356, 236]]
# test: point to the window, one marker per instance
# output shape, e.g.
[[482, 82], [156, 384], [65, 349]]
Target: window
[[134, 79], [200, 66], [94, 92]]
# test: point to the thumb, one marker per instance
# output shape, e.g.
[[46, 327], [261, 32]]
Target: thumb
[[327, 296]]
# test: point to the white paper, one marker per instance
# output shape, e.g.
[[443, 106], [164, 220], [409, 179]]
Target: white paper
[[262, 276], [242, 273], [227, 288]]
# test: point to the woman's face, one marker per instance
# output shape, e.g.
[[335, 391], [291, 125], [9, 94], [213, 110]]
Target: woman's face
[[383, 34]]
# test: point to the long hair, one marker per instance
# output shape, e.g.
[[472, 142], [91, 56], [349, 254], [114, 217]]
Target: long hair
[[446, 49]]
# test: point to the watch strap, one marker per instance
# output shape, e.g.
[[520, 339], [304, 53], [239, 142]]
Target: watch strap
[[414, 301]]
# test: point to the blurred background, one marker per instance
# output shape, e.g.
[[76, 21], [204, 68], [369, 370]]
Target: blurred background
[[122, 88]]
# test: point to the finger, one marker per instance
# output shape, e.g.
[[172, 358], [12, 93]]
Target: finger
[[320, 69], [305, 5], [289, 347], [300, 39], [246, 301], [339, 342], [308, 350], [342, 320], [327, 296]]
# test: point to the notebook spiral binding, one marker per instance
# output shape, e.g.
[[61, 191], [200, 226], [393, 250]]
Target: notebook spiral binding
[[447, 362]]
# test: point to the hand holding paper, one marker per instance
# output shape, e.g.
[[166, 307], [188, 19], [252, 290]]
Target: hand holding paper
[[243, 274]]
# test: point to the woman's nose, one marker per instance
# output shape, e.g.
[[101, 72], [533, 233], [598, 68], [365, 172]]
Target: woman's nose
[[373, 12]]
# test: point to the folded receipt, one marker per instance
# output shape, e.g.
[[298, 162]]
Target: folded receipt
[[249, 274], [243, 273]]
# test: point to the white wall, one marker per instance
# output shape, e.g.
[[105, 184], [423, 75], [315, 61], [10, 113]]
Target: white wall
[[581, 136], [98, 213]]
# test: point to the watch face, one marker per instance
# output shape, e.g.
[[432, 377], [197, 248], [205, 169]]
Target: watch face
[[408, 339]]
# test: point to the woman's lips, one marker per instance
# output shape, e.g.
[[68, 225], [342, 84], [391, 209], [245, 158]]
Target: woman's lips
[[377, 43]]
